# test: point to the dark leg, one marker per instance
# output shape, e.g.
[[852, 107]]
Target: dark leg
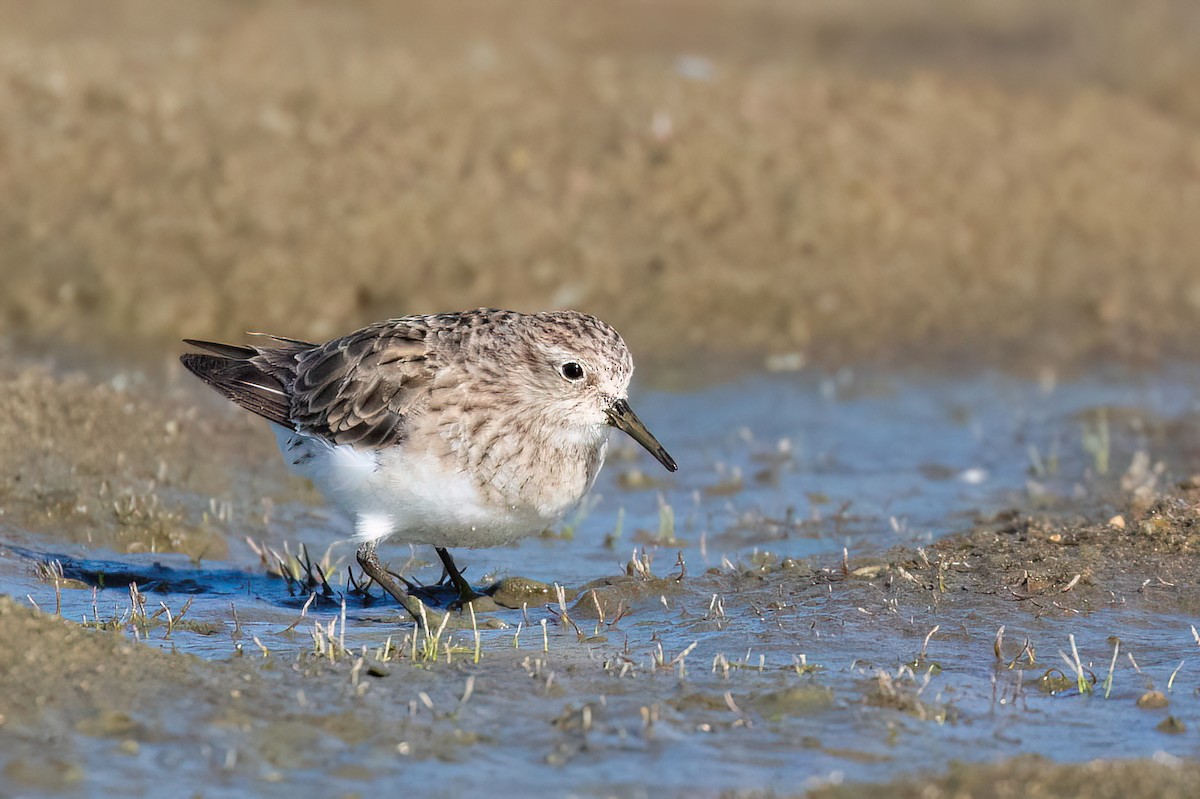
[[465, 592], [370, 564]]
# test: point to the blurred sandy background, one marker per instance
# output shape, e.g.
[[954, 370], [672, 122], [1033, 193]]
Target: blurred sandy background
[[1003, 182]]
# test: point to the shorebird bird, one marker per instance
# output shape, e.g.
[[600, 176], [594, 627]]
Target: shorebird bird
[[466, 429]]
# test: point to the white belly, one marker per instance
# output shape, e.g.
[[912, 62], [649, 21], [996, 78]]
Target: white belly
[[411, 497]]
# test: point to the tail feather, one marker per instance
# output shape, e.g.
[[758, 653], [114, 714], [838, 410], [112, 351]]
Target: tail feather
[[227, 350], [240, 380]]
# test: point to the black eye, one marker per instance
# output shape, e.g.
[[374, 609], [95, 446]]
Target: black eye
[[572, 371]]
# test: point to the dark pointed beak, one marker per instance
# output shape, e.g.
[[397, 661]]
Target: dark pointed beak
[[622, 417]]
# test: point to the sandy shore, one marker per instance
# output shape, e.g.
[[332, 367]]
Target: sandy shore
[[1004, 183]]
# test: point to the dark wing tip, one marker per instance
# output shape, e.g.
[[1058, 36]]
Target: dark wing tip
[[193, 361], [241, 381]]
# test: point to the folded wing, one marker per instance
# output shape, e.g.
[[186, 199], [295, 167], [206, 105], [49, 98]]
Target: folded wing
[[356, 390]]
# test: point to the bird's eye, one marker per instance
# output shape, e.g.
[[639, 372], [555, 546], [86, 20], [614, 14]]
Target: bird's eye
[[572, 371]]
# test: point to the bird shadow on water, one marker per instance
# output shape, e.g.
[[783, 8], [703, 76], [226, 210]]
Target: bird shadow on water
[[221, 606], [158, 578], [286, 583]]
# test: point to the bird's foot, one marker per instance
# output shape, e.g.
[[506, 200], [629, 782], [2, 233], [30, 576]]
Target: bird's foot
[[421, 612], [369, 561], [466, 594]]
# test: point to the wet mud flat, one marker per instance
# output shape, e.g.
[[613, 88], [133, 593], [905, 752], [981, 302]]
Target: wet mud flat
[[786, 615], [774, 675]]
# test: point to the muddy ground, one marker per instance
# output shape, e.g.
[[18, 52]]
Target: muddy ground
[[114, 695], [767, 185], [92, 692]]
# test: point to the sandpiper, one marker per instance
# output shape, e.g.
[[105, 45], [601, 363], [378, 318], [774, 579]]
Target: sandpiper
[[467, 429]]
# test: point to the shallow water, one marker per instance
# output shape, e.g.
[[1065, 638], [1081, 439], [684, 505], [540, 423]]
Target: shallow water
[[793, 466]]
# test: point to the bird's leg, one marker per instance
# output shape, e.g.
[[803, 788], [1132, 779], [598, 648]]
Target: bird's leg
[[465, 592], [370, 564]]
